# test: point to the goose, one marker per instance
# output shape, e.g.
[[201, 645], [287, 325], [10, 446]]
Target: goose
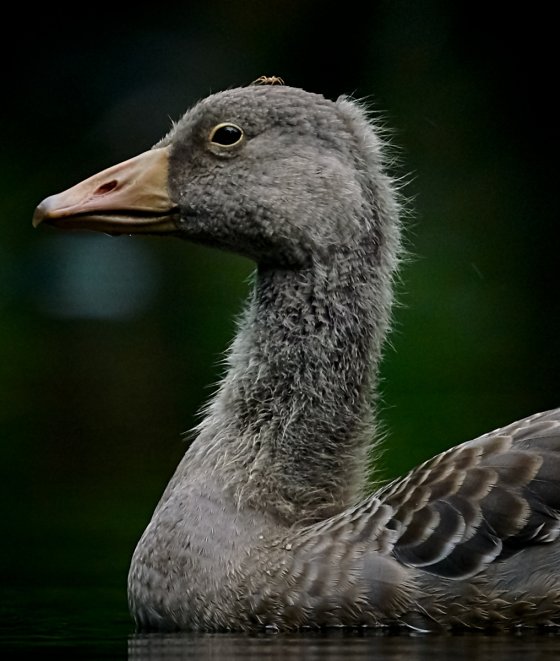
[[267, 521]]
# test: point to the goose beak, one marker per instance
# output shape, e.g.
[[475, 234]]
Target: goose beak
[[128, 198]]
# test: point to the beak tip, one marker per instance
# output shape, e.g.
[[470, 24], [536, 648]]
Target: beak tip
[[40, 214]]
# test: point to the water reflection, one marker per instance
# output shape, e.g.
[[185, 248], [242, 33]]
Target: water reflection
[[349, 646]]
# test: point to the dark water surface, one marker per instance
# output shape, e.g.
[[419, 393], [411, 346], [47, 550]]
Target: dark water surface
[[347, 646], [91, 622]]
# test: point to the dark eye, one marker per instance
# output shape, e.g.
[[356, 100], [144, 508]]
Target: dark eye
[[226, 135]]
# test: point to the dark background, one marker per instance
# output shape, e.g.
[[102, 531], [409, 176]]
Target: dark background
[[108, 347]]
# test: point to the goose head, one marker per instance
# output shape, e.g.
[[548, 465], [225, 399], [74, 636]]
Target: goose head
[[275, 173]]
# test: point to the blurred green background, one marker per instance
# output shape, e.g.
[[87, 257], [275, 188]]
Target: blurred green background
[[109, 346]]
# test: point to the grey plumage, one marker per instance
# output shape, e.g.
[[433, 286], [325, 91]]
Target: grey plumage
[[266, 521]]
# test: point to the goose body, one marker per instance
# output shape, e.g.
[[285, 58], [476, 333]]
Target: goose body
[[267, 520]]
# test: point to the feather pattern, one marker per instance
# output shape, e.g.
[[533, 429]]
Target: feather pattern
[[264, 523]]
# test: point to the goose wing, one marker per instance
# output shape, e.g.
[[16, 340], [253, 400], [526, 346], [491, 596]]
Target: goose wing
[[480, 501], [452, 516]]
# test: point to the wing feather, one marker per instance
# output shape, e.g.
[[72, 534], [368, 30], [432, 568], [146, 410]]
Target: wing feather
[[481, 501]]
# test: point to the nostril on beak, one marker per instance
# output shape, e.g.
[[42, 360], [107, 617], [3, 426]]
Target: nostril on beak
[[107, 187]]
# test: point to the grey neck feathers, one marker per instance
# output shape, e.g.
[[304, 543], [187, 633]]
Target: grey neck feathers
[[289, 429]]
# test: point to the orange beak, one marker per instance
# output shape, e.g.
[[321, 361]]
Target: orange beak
[[128, 198]]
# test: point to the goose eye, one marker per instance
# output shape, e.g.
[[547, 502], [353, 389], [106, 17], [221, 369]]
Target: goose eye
[[226, 135]]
